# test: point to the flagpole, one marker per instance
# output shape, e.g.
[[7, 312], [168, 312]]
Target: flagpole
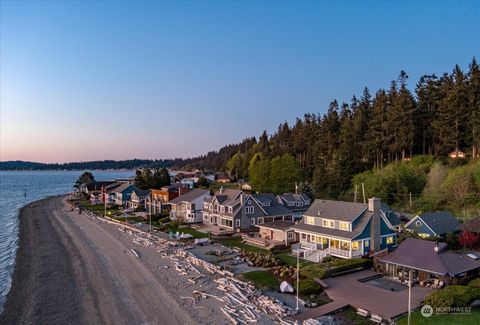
[[298, 274]]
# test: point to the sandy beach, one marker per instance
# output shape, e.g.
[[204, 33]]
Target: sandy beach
[[71, 269]]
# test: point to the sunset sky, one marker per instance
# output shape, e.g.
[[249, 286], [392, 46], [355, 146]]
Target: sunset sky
[[117, 80]]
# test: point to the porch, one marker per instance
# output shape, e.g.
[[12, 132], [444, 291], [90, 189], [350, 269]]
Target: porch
[[315, 248], [257, 240]]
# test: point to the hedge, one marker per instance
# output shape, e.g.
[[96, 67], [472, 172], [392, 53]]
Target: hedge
[[453, 296], [309, 287], [332, 267]]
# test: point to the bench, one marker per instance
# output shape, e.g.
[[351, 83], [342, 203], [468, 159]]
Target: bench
[[376, 319], [362, 312]]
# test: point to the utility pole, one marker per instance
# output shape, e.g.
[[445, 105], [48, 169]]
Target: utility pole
[[363, 190], [298, 272], [150, 212], [409, 297], [355, 193], [410, 199]]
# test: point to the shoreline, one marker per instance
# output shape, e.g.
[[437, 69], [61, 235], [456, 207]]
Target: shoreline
[[71, 269]]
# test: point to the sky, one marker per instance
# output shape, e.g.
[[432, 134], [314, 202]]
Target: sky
[[92, 80]]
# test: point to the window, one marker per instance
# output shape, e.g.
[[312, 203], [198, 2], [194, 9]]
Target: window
[[389, 240], [324, 222], [366, 243], [251, 209], [332, 224], [252, 221], [249, 202], [230, 209], [205, 205], [418, 223], [355, 245], [237, 223], [310, 220], [260, 220], [344, 226], [304, 236], [290, 235], [222, 209]]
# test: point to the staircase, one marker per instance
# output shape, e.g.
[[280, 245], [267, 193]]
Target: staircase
[[316, 256]]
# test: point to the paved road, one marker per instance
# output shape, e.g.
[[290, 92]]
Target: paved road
[[72, 271]]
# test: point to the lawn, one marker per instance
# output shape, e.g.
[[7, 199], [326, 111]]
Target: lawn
[[288, 259], [193, 232], [262, 279], [471, 319], [98, 208], [237, 242]]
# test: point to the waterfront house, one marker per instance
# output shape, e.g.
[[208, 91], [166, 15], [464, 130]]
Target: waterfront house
[[189, 182], [433, 224], [122, 193], [188, 207], [158, 199], [230, 211], [430, 262], [297, 203], [343, 229], [272, 234], [137, 198]]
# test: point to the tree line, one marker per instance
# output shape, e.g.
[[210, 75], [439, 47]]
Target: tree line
[[441, 115]]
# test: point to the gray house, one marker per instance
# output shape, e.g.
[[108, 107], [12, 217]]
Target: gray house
[[433, 224], [230, 211], [297, 203]]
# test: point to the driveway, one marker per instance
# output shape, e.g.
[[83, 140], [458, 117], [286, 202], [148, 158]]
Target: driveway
[[385, 303]]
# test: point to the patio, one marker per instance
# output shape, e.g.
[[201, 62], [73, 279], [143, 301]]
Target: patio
[[348, 290], [257, 240]]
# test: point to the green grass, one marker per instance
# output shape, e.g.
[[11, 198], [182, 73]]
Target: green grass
[[237, 242], [193, 232], [98, 208], [288, 259], [262, 279], [471, 319]]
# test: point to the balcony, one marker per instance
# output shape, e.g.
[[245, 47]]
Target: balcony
[[262, 242]]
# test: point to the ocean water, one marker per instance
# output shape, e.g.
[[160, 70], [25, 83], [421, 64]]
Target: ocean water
[[38, 185]]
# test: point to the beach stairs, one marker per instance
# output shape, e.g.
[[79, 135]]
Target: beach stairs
[[316, 255]]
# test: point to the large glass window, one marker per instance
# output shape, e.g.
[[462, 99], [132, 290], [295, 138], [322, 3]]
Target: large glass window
[[310, 220], [389, 240]]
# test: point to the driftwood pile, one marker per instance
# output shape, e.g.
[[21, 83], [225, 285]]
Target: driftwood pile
[[241, 302]]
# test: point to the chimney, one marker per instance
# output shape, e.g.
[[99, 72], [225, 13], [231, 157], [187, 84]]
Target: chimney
[[221, 189], [242, 198], [374, 206], [435, 249]]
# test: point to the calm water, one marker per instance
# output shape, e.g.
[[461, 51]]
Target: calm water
[[39, 184]]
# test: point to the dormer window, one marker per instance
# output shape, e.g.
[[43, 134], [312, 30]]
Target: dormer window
[[344, 226], [230, 209], [310, 220]]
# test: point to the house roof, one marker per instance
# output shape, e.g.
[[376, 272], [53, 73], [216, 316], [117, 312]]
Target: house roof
[[122, 187], [292, 197], [420, 255], [336, 210], [226, 197], [357, 230], [441, 222], [189, 196], [140, 192], [271, 205], [472, 225], [277, 225], [390, 215]]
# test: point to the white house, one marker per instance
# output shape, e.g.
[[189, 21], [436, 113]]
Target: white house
[[188, 207]]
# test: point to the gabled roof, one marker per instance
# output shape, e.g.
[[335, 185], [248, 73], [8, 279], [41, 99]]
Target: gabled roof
[[293, 197], [336, 210], [270, 205], [227, 197], [420, 255], [391, 216], [357, 230], [441, 222], [189, 196], [122, 187]]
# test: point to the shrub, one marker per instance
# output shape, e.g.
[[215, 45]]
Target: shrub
[[475, 286], [462, 295], [309, 287], [313, 271], [440, 299]]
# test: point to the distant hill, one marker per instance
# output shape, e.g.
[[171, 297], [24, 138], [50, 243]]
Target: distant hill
[[103, 164]]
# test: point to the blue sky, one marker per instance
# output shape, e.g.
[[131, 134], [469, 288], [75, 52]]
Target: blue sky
[[117, 79]]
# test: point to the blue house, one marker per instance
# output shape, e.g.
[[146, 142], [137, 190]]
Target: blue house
[[122, 194], [344, 229], [433, 224]]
